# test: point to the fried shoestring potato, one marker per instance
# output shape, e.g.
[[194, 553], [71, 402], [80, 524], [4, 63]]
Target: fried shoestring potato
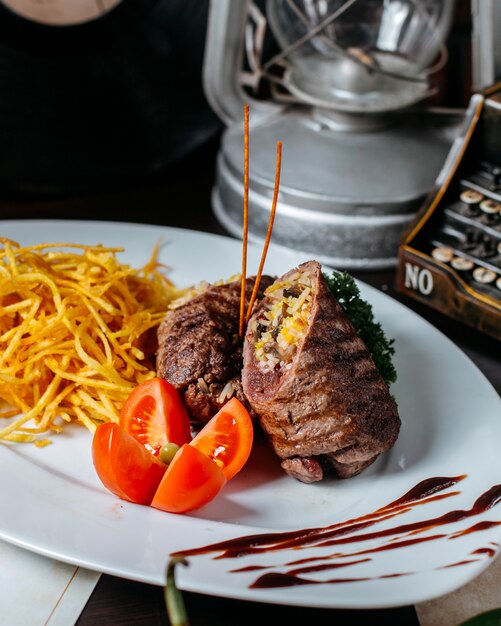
[[75, 334]]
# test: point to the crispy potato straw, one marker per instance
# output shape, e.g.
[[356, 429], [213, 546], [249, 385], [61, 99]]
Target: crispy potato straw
[[75, 334]]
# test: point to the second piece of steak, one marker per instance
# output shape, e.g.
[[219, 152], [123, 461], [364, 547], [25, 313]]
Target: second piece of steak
[[312, 382], [199, 351]]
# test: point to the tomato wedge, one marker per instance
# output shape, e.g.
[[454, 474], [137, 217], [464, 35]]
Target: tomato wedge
[[227, 438], [201, 468], [155, 415], [191, 481], [124, 466], [124, 455]]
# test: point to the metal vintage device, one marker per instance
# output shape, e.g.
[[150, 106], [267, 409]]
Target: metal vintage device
[[343, 83], [450, 258]]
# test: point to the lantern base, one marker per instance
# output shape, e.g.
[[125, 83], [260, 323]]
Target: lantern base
[[346, 196]]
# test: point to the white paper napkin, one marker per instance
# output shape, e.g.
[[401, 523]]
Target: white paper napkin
[[480, 595], [38, 591]]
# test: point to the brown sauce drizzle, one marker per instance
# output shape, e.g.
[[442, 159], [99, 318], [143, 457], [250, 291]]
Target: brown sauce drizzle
[[488, 551], [397, 537], [474, 529], [308, 570], [267, 542], [465, 562], [276, 579]]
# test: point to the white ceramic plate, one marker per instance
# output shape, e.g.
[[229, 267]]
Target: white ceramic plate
[[53, 503]]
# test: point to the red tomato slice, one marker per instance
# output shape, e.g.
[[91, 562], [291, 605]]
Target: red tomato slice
[[154, 415], [191, 481], [124, 466], [227, 438]]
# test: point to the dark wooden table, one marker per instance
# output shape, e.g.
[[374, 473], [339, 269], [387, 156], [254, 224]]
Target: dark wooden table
[[181, 197]]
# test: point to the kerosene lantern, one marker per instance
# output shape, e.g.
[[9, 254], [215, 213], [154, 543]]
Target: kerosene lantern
[[343, 84]]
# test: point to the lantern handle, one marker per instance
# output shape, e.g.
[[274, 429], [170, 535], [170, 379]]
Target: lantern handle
[[223, 59]]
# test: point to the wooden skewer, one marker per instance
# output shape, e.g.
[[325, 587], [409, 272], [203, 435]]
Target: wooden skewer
[[245, 223], [273, 211]]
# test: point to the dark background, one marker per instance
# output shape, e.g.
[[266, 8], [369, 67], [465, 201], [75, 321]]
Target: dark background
[[111, 107]]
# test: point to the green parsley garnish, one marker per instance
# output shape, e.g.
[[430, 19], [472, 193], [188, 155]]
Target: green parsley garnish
[[360, 314]]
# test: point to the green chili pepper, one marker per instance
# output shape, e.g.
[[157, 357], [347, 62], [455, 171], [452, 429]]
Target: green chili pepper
[[173, 598]]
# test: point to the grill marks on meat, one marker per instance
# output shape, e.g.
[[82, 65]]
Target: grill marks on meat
[[199, 351], [331, 409]]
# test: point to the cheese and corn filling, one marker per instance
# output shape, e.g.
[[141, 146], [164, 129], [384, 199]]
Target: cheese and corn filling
[[283, 321]]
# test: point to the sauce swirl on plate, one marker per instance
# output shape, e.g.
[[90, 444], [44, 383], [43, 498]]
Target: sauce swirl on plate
[[341, 534]]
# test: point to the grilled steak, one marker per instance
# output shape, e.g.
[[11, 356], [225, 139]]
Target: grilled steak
[[312, 382], [199, 351]]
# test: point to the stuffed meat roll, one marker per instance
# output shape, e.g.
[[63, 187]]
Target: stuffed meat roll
[[312, 382]]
